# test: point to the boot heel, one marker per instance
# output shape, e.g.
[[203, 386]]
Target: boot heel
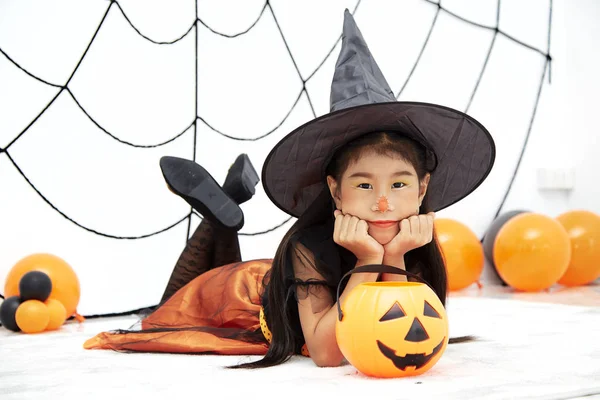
[[241, 180], [249, 176]]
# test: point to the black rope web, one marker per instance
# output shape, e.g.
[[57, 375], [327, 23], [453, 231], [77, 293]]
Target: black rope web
[[497, 31], [192, 125]]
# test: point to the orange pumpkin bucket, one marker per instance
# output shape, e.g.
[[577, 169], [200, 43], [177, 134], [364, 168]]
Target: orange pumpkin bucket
[[391, 329]]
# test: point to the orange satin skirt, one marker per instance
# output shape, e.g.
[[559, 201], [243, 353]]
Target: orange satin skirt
[[215, 313]]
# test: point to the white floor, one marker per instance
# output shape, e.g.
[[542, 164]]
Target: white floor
[[530, 347]]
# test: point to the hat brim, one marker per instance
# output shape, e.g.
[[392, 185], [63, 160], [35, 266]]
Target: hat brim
[[292, 173]]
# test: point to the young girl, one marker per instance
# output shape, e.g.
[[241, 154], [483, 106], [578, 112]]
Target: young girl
[[363, 182]]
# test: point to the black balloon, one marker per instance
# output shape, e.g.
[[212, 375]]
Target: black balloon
[[492, 232], [35, 285], [8, 309]]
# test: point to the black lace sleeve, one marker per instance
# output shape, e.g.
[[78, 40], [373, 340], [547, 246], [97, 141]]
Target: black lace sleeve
[[308, 282]]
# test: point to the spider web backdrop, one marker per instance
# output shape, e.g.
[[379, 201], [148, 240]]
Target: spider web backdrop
[[97, 93]]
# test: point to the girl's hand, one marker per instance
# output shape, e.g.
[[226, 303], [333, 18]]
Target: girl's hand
[[351, 233], [415, 231]]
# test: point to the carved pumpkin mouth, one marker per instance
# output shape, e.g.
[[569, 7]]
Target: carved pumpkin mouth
[[409, 360]]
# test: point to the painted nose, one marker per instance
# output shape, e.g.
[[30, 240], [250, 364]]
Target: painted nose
[[417, 332], [382, 204]]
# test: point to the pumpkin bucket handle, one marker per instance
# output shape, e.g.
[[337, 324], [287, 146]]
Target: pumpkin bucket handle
[[380, 268]]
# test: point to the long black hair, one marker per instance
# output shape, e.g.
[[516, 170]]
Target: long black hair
[[426, 259]]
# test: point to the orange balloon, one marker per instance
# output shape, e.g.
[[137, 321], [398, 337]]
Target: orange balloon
[[65, 285], [531, 252], [32, 316], [462, 251], [583, 228], [58, 314]]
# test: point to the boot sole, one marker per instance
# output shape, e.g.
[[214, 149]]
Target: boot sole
[[199, 189]]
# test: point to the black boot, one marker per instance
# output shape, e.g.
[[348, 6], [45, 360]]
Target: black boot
[[241, 180], [198, 188]]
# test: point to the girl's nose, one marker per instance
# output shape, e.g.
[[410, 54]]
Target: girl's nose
[[382, 204]]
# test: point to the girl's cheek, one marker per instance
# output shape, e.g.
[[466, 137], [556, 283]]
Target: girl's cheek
[[356, 195]]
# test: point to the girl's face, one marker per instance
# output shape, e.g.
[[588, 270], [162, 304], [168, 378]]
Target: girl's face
[[371, 182]]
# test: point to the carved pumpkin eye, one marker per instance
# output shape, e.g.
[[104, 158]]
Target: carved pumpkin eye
[[429, 311], [394, 312]]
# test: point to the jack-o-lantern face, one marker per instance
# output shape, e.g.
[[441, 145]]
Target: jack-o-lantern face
[[392, 329], [416, 333]]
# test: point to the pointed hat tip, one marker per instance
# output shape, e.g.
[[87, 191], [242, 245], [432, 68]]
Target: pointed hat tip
[[349, 23], [347, 16], [367, 84]]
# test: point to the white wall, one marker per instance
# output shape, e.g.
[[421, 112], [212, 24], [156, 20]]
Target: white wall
[[564, 135], [565, 132], [144, 93]]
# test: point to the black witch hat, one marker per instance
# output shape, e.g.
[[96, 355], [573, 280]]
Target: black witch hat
[[460, 151]]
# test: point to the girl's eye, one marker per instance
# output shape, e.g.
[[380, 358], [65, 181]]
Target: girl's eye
[[398, 185], [365, 186]]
